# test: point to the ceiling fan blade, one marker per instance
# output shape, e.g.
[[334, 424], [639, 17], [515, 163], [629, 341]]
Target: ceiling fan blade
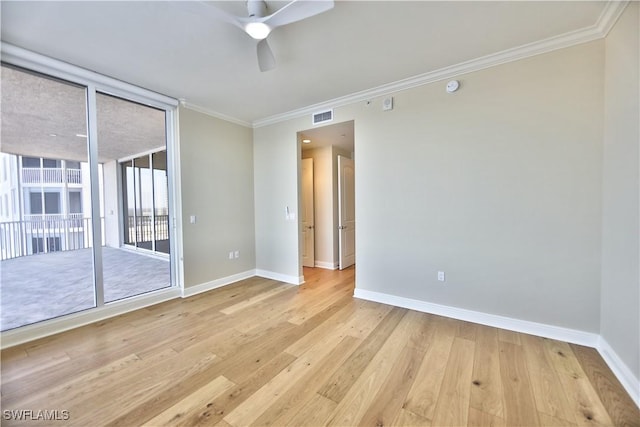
[[297, 10], [266, 60]]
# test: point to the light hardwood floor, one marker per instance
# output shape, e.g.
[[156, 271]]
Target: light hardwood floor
[[259, 352]]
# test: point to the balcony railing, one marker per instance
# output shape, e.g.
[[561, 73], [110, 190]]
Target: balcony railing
[[140, 228], [51, 217], [46, 233], [51, 176]]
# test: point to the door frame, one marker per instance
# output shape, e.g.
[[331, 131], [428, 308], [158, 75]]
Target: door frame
[[310, 228]]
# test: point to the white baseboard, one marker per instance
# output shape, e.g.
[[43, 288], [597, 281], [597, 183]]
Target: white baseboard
[[204, 287], [540, 329], [294, 280], [75, 320], [326, 265], [620, 370]]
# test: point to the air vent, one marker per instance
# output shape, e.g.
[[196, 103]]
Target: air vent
[[323, 116]]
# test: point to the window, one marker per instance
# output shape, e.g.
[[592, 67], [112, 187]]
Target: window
[[30, 162], [75, 202], [50, 163], [51, 203], [35, 203], [73, 165]]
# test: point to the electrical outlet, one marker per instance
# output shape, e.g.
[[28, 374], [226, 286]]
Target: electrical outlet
[[441, 276], [236, 254], [231, 255]]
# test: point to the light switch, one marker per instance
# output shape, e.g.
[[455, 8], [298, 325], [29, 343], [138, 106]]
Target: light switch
[[192, 219]]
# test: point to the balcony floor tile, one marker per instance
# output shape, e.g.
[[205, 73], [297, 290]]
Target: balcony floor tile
[[44, 286]]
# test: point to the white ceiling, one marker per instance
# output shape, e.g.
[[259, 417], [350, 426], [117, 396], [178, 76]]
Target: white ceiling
[[358, 45]]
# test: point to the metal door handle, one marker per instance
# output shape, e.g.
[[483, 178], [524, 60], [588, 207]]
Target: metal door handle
[[342, 227]]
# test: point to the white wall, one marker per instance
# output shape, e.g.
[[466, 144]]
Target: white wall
[[276, 182], [498, 184], [217, 186], [620, 322]]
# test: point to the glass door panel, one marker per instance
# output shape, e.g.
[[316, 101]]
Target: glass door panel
[[145, 196], [46, 241], [128, 136]]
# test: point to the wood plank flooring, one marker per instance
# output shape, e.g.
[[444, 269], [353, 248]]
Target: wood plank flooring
[[260, 352]]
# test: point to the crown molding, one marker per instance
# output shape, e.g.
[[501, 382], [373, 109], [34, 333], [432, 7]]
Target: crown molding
[[610, 15], [606, 21], [203, 110]]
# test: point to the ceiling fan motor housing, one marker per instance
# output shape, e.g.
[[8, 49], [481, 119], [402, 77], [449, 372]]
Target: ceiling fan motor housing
[[257, 8]]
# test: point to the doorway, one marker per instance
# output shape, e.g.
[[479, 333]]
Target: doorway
[[321, 191]]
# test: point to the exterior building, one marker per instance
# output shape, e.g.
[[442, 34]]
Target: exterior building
[[43, 205]]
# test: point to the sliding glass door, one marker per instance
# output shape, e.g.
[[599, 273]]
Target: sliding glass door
[[46, 233], [84, 200], [132, 145]]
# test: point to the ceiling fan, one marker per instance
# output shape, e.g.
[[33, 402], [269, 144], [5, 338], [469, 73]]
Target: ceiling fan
[[258, 24]]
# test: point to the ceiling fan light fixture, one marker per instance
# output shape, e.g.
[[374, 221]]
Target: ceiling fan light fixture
[[257, 30]]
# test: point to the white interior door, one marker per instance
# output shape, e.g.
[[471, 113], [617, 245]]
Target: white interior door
[[306, 217], [347, 212]]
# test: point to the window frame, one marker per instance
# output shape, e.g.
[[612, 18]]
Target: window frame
[[93, 82]]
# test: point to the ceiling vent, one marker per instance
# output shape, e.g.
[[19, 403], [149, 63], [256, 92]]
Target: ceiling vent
[[322, 117]]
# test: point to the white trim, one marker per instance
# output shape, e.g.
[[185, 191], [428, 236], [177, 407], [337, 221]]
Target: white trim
[[294, 280], [65, 71], [533, 328], [326, 265], [218, 283], [145, 252], [203, 110], [72, 321], [144, 153], [610, 15], [94, 185], [630, 383], [175, 195], [606, 20]]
